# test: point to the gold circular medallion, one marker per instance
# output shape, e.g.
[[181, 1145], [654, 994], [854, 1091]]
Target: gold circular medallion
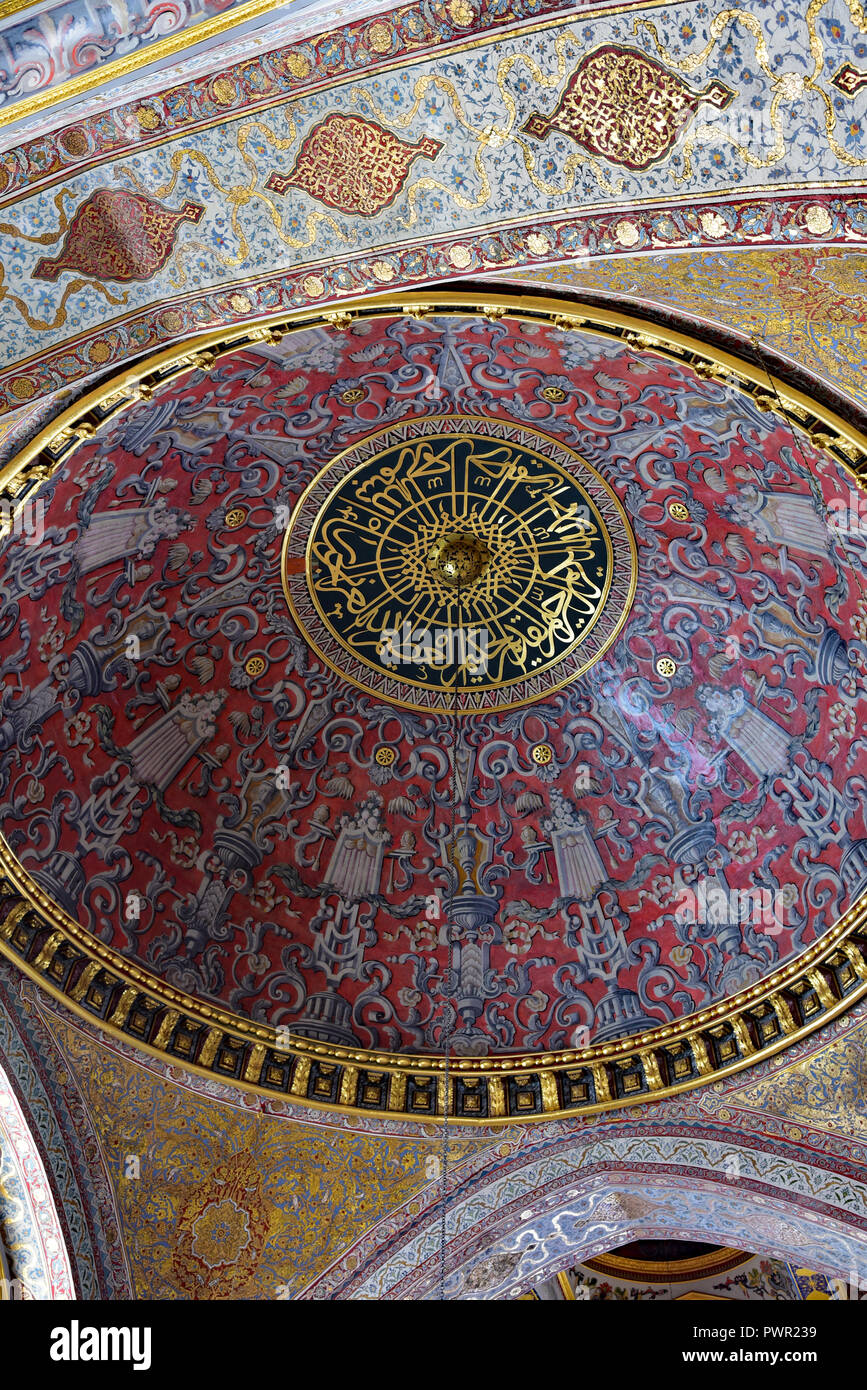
[[678, 511], [255, 665], [74, 141], [665, 666], [298, 64], [379, 37], [818, 220], [459, 563], [385, 756], [224, 91], [538, 244], [458, 559], [461, 12], [542, 754], [627, 233], [235, 518]]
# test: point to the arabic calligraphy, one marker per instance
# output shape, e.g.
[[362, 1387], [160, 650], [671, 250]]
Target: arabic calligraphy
[[451, 534]]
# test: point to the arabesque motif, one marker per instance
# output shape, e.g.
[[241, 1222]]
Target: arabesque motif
[[626, 107], [353, 165], [117, 235]]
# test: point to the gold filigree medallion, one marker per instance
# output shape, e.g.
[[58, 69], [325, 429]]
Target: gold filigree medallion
[[459, 563]]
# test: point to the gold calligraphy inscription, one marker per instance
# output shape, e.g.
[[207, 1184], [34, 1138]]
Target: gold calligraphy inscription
[[454, 562]]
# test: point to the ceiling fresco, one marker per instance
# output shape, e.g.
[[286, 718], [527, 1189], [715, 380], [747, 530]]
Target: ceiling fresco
[[100, 48], [622, 1276], [431, 726], [693, 1168], [31, 1238], [809, 304], [63, 42], [342, 1206], [231, 809], [234, 1204], [242, 194], [58, 1211]]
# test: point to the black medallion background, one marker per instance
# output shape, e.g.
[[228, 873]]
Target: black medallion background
[[458, 556]]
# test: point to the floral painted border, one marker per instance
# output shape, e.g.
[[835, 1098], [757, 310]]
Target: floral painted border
[[412, 31], [746, 222]]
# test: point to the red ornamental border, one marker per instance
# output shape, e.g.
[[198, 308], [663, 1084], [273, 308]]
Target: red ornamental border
[[750, 222]]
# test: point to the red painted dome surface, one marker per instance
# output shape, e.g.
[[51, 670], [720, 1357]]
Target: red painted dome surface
[[185, 776]]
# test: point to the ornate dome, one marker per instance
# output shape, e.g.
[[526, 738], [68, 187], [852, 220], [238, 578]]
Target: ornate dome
[[443, 618]]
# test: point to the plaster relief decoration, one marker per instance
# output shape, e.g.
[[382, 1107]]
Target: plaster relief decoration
[[262, 1203]]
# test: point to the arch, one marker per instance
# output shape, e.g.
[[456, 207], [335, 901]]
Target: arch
[[37, 1264], [522, 1220]]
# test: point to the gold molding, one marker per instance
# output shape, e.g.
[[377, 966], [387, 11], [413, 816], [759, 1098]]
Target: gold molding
[[847, 444], [613, 1265], [100, 985], [135, 1007]]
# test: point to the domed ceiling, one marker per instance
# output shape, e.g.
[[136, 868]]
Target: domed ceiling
[[442, 617]]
